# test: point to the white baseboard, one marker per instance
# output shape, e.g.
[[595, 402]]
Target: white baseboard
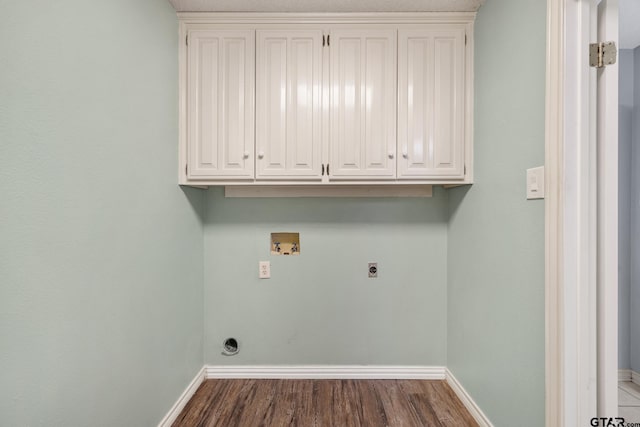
[[331, 372], [467, 401], [628, 375], [183, 399], [624, 374], [327, 372]]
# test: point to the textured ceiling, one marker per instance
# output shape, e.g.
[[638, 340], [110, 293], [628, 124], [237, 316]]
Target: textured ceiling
[[326, 5], [629, 24]]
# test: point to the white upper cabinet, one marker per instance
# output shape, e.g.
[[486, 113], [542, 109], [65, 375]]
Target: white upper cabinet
[[363, 103], [431, 102], [326, 99], [288, 104], [220, 104]]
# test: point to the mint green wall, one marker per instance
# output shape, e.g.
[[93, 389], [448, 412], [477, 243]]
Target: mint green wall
[[496, 237], [101, 254], [100, 250], [320, 307]]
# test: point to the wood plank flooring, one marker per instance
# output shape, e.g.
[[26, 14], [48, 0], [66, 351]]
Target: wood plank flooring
[[330, 403]]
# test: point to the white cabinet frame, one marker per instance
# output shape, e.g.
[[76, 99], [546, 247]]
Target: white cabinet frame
[[327, 22]]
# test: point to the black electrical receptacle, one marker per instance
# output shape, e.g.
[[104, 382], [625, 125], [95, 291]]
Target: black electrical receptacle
[[373, 269]]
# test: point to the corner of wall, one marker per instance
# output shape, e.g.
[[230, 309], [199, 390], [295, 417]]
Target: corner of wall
[[495, 292]]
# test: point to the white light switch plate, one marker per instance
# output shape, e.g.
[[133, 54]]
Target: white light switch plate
[[264, 269], [535, 183]]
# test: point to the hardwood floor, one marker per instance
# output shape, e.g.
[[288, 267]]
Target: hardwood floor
[[330, 403]]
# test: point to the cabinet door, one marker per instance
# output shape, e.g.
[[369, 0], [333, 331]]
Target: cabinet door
[[288, 104], [431, 103], [363, 104], [220, 103]]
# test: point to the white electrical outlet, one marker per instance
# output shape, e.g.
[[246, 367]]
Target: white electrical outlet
[[264, 269]]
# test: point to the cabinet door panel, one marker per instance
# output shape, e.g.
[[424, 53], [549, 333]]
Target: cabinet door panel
[[220, 133], [363, 104], [431, 103], [288, 100]]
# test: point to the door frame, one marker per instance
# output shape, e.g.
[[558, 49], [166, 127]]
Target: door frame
[[607, 176], [554, 242], [572, 383]]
